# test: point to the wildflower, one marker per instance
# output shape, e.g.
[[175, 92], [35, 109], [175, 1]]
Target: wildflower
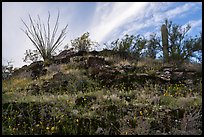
[[77, 120], [37, 125], [166, 94], [47, 128], [53, 128], [141, 113]]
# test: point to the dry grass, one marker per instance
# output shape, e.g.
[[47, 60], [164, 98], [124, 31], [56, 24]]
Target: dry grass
[[12, 84], [149, 62]]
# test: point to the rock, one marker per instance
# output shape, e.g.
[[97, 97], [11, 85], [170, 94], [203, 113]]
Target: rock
[[18, 72], [95, 62], [35, 65], [77, 59], [64, 56], [94, 53], [58, 76], [22, 73], [99, 131], [81, 53], [46, 86], [75, 112], [37, 69], [53, 68], [188, 82], [106, 75], [34, 70], [52, 87], [128, 68]]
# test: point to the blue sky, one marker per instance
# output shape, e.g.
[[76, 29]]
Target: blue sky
[[105, 21]]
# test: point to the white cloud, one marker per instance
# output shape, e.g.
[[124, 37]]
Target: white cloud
[[196, 23], [152, 17], [107, 19], [196, 26], [179, 10]]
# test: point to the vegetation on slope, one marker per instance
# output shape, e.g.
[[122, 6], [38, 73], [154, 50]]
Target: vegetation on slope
[[122, 91]]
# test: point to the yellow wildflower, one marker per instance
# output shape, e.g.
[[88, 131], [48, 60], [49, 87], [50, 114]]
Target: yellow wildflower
[[166, 94], [53, 128], [141, 113]]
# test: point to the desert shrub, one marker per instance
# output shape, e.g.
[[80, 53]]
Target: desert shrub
[[83, 43], [7, 70]]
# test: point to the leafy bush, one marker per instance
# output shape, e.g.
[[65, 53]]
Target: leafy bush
[[82, 43]]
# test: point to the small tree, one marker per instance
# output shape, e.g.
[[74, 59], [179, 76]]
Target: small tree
[[43, 38], [129, 45], [7, 70], [139, 46], [82, 43], [180, 47], [123, 45], [153, 46], [193, 48], [32, 56]]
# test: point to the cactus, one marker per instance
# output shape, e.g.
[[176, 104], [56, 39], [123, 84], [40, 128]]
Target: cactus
[[164, 33]]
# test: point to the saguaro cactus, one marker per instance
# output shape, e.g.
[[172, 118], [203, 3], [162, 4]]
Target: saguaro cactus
[[164, 33]]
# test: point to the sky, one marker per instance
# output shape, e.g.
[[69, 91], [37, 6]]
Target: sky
[[105, 21]]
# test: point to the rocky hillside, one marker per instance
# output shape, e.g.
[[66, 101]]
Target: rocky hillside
[[103, 92]]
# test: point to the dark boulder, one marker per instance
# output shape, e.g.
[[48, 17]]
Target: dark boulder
[[58, 76], [81, 53], [21, 72], [95, 62], [64, 56], [94, 53], [37, 69]]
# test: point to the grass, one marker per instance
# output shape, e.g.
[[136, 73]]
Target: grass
[[174, 110]]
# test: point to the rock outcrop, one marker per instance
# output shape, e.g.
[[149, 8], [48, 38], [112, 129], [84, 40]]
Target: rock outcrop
[[64, 56]]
